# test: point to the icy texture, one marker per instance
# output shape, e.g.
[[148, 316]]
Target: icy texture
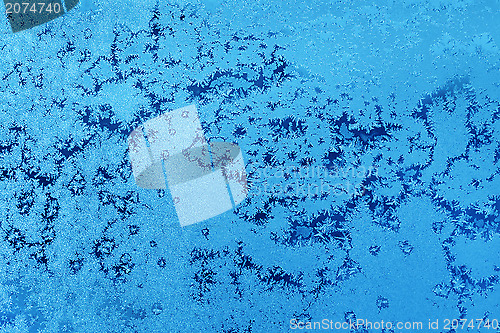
[[410, 88]]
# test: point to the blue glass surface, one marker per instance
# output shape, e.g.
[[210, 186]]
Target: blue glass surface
[[370, 135]]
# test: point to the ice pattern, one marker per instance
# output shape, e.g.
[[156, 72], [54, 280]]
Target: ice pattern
[[370, 139]]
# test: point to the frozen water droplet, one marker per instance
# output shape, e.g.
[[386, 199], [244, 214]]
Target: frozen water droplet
[[157, 308]]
